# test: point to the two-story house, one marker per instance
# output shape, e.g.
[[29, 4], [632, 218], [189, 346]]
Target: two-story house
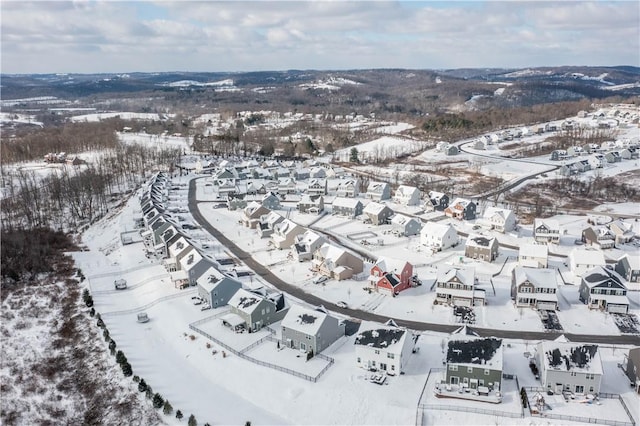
[[383, 348], [255, 309], [582, 260], [377, 213], [306, 244], [438, 236], [628, 266], [481, 248], [535, 288], [461, 209], [501, 220], [603, 288], [285, 232], [407, 196], [546, 231], [533, 255], [348, 188], [310, 330], [599, 236], [378, 191], [346, 207], [474, 363], [437, 201], [336, 262], [267, 224], [456, 286], [569, 367], [317, 186], [313, 204], [252, 213], [216, 288], [391, 276], [405, 226]]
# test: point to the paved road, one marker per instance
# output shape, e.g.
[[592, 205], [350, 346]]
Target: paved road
[[357, 314]]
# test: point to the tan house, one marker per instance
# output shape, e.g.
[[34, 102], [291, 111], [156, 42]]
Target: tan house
[[336, 262]]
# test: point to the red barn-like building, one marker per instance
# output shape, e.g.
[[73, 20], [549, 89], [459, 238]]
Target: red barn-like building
[[391, 276]]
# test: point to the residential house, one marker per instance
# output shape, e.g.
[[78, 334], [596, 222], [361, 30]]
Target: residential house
[[599, 236], [546, 231], [195, 264], [603, 288], [437, 201], [317, 186], [271, 201], [582, 166], [582, 260], [287, 185], [348, 188], [260, 173], [310, 330], [255, 309], [622, 230], [313, 204], [501, 220], [559, 155], [474, 363], [383, 348], [391, 276], [457, 286], [226, 186], [438, 236], [301, 173], [481, 247], [575, 151], [628, 266], [632, 369], [306, 244], [405, 226], [533, 255], [285, 232], [236, 201], [280, 172], [378, 191], [254, 187], [176, 251], [347, 207], [252, 213], [407, 196], [377, 213], [569, 367], [268, 223], [613, 157], [461, 209], [451, 150], [535, 288], [569, 169], [216, 288], [597, 161], [318, 173], [336, 262]]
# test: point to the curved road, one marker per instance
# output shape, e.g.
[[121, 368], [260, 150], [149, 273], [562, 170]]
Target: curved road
[[359, 315]]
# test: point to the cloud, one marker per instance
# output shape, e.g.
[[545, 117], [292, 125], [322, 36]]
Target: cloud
[[105, 36]]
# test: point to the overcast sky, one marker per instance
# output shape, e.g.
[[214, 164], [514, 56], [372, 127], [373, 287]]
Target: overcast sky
[[116, 36]]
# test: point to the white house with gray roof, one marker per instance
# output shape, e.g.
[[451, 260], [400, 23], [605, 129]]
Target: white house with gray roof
[[310, 330], [501, 220], [405, 226], [383, 348], [438, 236], [378, 191], [407, 195], [533, 255], [216, 288]]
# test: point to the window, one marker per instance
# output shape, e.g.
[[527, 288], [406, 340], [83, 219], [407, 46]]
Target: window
[[453, 368], [377, 352], [573, 374], [390, 355], [359, 360], [486, 372], [469, 369], [393, 367]]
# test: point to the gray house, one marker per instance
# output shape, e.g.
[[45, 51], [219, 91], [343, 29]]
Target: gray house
[[633, 368], [437, 201], [481, 247], [271, 201], [628, 266], [236, 201], [215, 288], [311, 204], [195, 264], [255, 309], [348, 207], [569, 367], [474, 362], [377, 213], [405, 225], [317, 186], [310, 330], [378, 191], [603, 288]]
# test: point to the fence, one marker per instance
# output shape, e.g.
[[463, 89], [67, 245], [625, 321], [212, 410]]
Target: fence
[[565, 417], [242, 353], [122, 271], [148, 305], [141, 283]]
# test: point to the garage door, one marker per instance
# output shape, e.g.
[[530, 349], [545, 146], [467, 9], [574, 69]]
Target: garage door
[[618, 309], [546, 306], [461, 302]]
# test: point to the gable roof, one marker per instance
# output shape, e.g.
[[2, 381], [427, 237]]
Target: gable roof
[[481, 241], [599, 276], [438, 230], [304, 320], [387, 264], [534, 250], [540, 278], [464, 275], [375, 208], [346, 202], [473, 351], [378, 336], [570, 357]]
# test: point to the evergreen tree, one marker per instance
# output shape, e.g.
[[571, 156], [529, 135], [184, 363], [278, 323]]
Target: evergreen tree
[[149, 393], [106, 336], [120, 358], [192, 421], [142, 386], [179, 415], [167, 408], [157, 401], [112, 345], [100, 323], [354, 155], [136, 379], [92, 312], [85, 294], [89, 302], [126, 369], [247, 423]]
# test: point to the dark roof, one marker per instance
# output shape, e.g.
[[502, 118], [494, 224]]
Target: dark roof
[[307, 319], [580, 356], [245, 302], [482, 241], [393, 279], [379, 338], [598, 276], [472, 351], [300, 248]]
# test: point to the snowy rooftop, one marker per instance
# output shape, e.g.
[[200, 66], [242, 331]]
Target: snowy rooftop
[[382, 337], [587, 256], [540, 278], [534, 250], [480, 241], [600, 275], [346, 202], [570, 357], [374, 208], [438, 230], [465, 275], [305, 320], [486, 352]]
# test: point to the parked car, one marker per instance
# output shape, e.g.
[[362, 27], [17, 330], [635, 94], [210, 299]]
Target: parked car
[[120, 284], [342, 305], [320, 279]]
